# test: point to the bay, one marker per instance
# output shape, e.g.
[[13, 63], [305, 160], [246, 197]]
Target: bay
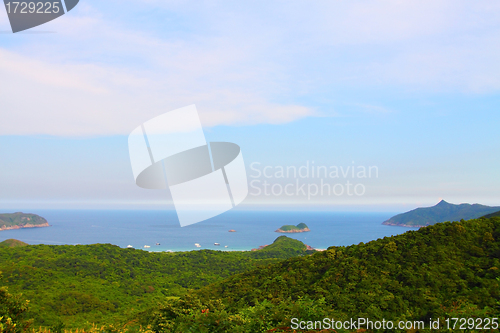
[[253, 228]]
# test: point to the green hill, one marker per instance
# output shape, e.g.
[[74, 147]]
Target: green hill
[[21, 220], [283, 248], [441, 271], [12, 243], [441, 212]]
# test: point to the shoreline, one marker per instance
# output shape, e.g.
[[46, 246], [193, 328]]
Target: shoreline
[[25, 226], [405, 225], [292, 231]]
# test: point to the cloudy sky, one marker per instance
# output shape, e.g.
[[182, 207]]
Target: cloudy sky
[[411, 87]]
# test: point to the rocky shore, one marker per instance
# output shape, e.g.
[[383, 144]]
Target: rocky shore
[[292, 231], [28, 225]]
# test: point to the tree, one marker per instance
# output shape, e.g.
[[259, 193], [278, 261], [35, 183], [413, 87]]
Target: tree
[[13, 312]]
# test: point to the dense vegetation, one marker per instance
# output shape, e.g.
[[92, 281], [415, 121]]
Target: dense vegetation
[[12, 243], [13, 312], [441, 212], [20, 219], [441, 271], [445, 270], [76, 286]]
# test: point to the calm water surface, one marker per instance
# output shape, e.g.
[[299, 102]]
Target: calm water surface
[[253, 228]]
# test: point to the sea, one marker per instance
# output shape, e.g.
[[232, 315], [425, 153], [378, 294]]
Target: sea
[[159, 230]]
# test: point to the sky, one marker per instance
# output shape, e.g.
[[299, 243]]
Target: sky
[[408, 88]]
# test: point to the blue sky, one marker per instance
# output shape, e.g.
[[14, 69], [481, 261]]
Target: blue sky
[[410, 87]]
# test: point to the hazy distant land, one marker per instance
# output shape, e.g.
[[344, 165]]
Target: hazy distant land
[[441, 212]]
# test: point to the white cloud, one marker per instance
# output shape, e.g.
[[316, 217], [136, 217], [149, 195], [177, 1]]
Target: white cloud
[[103, 74], [80, 100], [74, 96]]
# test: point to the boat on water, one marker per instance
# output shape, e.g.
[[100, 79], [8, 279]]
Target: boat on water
[[197, 245], [232, 230], [130, 246], [147, 246], [157, 244], [217, 244], [225, 246]]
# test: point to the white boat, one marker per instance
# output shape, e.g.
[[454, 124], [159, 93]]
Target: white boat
[[147, 246], [217, 244], [197, 245], [225, 246], [130, 246]]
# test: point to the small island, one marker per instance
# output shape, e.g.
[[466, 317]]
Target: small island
[[301, 227], [21, 220]]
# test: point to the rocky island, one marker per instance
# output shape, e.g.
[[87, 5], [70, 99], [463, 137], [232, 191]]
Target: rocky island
[[301, 227], [21, 220]]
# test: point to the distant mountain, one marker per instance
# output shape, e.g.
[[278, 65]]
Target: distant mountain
[[21, 220], [12, 243], [441, 212]]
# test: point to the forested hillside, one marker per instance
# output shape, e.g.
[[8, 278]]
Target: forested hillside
[[495, 214], [85, 284], [444, 270]]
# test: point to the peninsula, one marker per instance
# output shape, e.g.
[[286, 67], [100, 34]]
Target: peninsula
[[301, 227], [21, 220], [442, 212]]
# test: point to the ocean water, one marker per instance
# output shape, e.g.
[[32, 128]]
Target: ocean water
[[253, 228]]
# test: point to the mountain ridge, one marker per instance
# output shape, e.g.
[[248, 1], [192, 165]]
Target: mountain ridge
[[442, 212]]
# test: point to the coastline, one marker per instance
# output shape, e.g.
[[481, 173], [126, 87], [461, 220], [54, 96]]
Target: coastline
[[4, 227], [292, 231], [122, 228], [405, 225]]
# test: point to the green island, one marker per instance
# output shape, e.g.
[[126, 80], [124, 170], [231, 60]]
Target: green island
[[301, 227], [21, 220], [446, 270], [441, 212]]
